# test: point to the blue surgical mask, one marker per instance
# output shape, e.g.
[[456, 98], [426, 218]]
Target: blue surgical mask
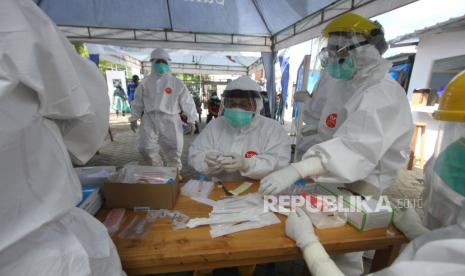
[[237, 117], [450, 166], [161, 68], [341, 68]]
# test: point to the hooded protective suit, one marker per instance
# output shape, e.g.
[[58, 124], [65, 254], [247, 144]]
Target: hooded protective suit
[[53, 104], [162, 98], [263, 142], [363, 126]]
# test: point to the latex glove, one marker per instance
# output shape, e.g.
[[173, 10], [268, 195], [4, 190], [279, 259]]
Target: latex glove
[[192, 128], [211, 159], [299, 228], [278, 181], [233, 162], [134, 126], [409, 222]]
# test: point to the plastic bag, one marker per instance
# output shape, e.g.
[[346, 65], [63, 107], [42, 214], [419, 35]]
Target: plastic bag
[[138, 227], [114, 220], [146, 174]]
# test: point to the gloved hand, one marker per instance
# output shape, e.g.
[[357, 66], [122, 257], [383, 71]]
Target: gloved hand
[[233, 162], [280, 180], [192, 128], [299, 228], [408, 221], [134, 126], [211, 159]]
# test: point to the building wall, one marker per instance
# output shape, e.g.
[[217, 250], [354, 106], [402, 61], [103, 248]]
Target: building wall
[[431, 48]]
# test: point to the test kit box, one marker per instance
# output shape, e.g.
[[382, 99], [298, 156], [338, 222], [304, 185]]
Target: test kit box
[[139, 192], [362, 217]]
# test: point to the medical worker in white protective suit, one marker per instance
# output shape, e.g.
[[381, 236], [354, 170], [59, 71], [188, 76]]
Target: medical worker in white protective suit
[[53, 104], [361, 119], [437, 252], [241, 143], [161, 97]]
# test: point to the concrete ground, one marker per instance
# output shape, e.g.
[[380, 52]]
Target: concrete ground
[[122, 150]]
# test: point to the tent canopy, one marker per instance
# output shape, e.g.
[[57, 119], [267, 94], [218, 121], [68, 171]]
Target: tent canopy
[[245, 25], [185, 61]]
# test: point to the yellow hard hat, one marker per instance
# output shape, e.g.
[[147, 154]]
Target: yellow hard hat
[[351, 23], [452, 102]]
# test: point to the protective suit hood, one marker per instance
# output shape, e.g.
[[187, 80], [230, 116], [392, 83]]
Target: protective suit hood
[[160, 54], [371, 67]]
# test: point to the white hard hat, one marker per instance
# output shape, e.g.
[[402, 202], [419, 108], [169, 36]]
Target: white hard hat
[[159, 54], [244, 83]]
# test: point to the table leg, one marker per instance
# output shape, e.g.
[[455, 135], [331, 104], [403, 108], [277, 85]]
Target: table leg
[[384, 257]]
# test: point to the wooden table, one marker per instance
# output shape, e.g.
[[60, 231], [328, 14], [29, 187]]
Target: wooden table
[[167, 250]]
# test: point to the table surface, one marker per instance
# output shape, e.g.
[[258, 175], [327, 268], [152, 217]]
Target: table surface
[[166, 250]]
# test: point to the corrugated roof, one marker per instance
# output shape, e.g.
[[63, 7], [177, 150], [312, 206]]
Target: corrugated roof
[[451, 25]]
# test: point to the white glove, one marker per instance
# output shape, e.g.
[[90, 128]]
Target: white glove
[[299, 228], [211, 159], [134, 126], [192, 128], [233, 162], [278, 181], [408, 221]]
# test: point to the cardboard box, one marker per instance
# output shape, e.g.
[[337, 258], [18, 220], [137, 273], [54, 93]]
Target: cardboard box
[[130, 195], [361, 219]]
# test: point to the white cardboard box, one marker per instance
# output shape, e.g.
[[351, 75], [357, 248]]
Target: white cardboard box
[[361, 219]]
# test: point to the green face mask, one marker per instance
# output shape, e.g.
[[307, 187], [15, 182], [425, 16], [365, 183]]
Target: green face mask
[[237, 117], [161, 68], [342, 71], [450, 166]]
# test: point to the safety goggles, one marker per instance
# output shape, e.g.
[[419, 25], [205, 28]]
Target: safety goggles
[[243, 99]]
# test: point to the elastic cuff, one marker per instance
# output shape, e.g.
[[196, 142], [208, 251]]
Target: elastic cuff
[[311, 167], [249, 164]]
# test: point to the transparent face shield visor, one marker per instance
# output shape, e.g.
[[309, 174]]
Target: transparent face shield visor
[[242, 99], [336, 57]]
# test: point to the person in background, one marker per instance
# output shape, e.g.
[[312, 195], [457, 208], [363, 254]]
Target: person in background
[[213, 107], [266, 104], [120, 101], [54, 108], [359, 115], [241, 143], [132, 88], [162, 97], [198, 107]]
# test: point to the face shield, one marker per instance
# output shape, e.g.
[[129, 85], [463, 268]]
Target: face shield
[[240, 106], [449, 155], [337, 55]]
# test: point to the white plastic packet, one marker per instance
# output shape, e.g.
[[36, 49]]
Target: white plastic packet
[[225, 229], [197, 188]]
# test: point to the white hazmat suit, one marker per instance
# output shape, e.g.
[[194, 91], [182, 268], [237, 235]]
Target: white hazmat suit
[[263, 143], [363, 126], [162, 98], [439, 252], [53, 104]]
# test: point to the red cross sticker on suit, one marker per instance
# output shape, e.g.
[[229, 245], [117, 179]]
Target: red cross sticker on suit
[[331, 120], [250, 154], [168, 90]]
